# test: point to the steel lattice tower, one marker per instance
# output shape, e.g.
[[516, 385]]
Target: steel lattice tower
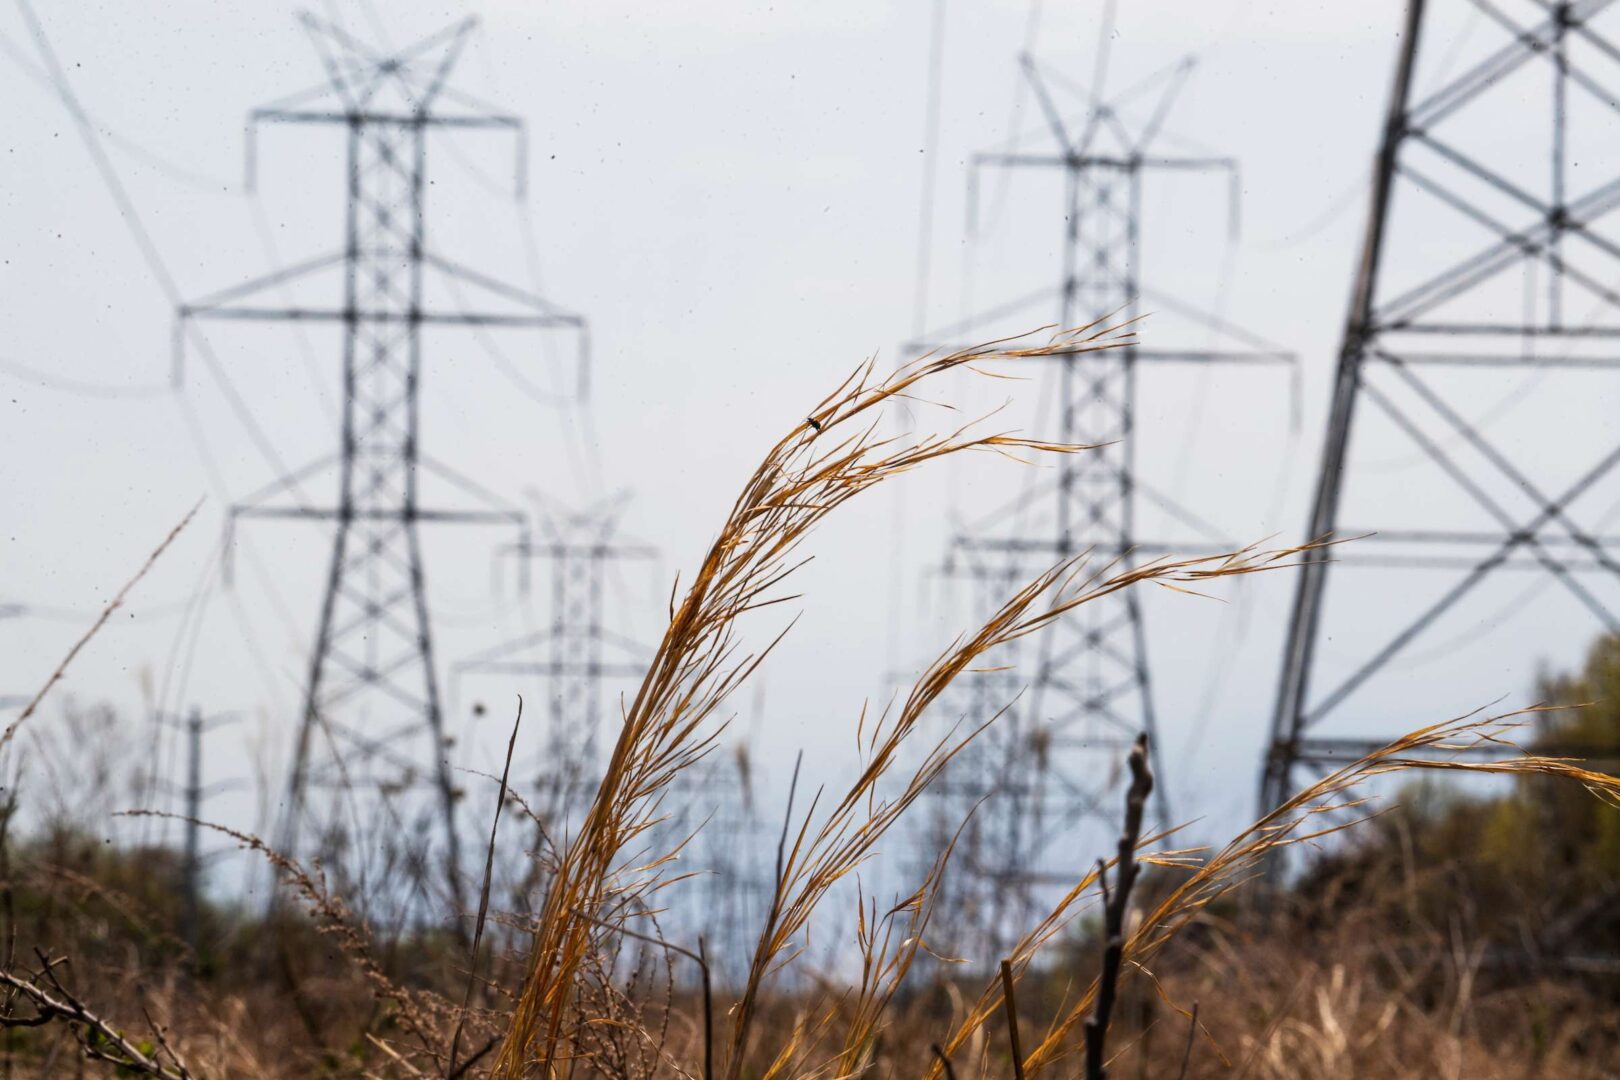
[[708, 810], [576, 652], [372, 719], [1483, 261], [1050, 760]]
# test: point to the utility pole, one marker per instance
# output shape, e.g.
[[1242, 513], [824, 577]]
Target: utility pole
[[1049, 761], [372, 725], [193, 857], [1482, 277], [194, 793]]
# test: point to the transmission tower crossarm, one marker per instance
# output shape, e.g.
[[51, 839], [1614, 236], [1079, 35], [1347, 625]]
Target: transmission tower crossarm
[[503, 289], [427, 516], [1324, 753], [1523, 359], [425, 318], [1029, 545], [1105, 161], [1210, 356], [582, 670], [397, 119], [1049, 109], [1140, 354], [274, 279], [561, 549]]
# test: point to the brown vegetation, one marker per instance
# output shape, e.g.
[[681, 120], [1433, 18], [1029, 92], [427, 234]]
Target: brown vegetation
[[1364, 971]]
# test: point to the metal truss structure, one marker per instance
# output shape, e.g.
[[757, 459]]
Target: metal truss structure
[[1050, 761], [372, 720], [1487, 279], [710, 810], [576, 653], [707, 811]]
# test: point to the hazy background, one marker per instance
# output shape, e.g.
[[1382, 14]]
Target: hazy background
[[732, 195]]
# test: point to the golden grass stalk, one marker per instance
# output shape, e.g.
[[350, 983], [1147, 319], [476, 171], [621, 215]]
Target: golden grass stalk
[[885, 962], [818, 859], [830, 458], [818, 466]]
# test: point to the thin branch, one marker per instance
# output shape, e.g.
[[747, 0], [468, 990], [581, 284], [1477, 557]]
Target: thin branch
[[99, 1039], [1114, 910], [1009, 999], [1192, 1033], [483, 895], [106, 613]]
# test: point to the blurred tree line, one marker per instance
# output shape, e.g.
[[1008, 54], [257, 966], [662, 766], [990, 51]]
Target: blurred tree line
[[1530, 879]]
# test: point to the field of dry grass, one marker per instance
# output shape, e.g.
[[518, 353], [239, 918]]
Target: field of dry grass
[[1158, 962]]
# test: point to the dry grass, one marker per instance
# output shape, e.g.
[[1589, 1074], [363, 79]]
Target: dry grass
[[581, 981]]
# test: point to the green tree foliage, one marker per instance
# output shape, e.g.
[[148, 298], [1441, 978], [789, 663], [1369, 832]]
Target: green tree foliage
[[1532, 876]]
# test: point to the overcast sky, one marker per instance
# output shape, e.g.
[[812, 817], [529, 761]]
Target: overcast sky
[[732, 195]]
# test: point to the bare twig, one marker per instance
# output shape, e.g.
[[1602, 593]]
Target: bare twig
[[700, 958], [1192, 1033], [394, 1056], [106, 613], [1114, 910], [944, 1062], [483, 895], [99, 1039], [474, 1058], [1011, 1002], [158, 1034], [708, 1013]]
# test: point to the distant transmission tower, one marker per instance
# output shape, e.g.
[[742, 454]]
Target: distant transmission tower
[[576, 653], [712, 809], [1487, 280], [1049, 761], [372, 718]]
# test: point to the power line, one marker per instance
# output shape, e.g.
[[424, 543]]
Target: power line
[[166, 166], [80, 387]]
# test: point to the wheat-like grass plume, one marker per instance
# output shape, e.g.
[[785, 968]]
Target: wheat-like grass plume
[[818, 466], [822, 463]]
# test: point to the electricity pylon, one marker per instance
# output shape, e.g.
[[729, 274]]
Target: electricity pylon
[[372, 720], [576, 653], [1486, 280], [1050, 760]]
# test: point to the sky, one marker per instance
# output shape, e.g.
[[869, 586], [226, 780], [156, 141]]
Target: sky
[[745, 201]]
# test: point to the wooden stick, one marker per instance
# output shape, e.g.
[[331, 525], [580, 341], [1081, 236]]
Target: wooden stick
[[1011, 1002], [1114, 909]]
